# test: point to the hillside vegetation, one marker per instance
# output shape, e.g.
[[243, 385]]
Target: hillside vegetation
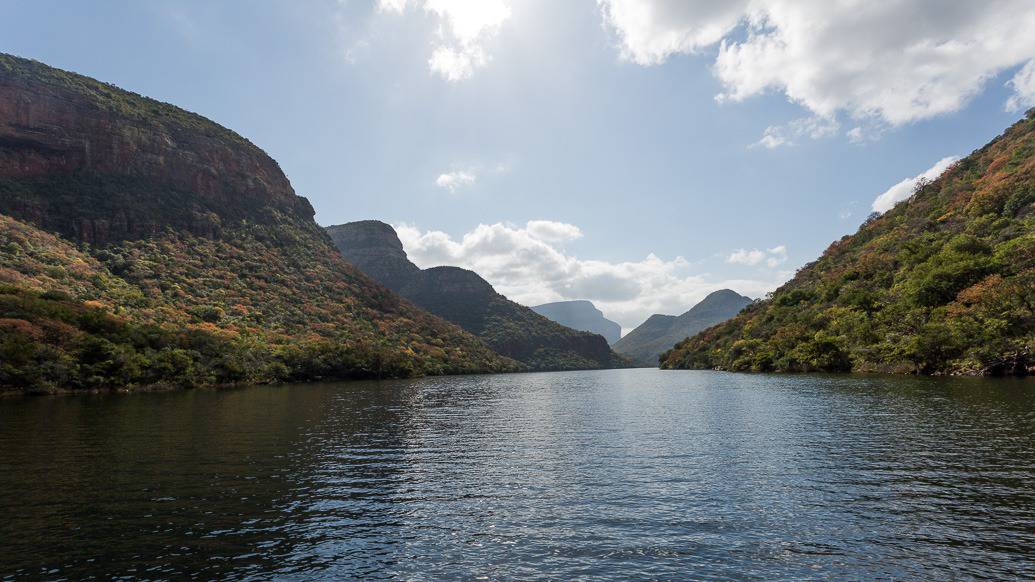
[[143, 245], [943, 283]]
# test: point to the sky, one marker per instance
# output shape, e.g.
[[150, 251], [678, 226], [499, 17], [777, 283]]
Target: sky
[[636, 153]]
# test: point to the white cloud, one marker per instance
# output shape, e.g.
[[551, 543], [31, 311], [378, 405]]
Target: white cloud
[[746, 257], [553, 232], [772, 138], [771, 257], [886, 62], [525, 264], [453, 181], [465, 26], [777, 256], [455, 64], [904, 189], [652, 30], [815, 127], [1023, 85]]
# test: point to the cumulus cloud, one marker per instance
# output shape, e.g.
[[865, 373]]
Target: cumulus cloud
[[1023, 85], [754, 257], [525, 263], [553, 232], [904, 189], [465, 27], [453, 181], [889, 62]]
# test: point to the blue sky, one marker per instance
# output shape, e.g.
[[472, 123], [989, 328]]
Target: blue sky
[[637, 153]]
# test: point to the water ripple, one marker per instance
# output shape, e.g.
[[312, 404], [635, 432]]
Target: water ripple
[[616, 475]]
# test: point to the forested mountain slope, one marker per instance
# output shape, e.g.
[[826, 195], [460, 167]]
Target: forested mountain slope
[[141, 244], [943, 283]]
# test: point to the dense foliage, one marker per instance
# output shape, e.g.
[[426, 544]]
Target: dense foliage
[[943, 283], [264, 303]]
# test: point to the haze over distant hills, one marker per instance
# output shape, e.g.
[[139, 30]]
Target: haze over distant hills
[[645, 344], [463, 297], [942, 283], [581, 315]]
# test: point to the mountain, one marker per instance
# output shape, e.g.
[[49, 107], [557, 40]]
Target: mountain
[[943, 283], [141, 244], [581, 315], [659, 333], [463, 297]]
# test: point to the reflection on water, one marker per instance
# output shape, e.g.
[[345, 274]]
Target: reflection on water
[[614, 474]]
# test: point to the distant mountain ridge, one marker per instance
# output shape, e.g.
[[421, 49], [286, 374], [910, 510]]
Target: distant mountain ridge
[[463, 297], [581, 315], [645, 344], [144, 245], [942, 283]]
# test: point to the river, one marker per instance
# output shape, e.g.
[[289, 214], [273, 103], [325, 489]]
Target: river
[[610, 475]]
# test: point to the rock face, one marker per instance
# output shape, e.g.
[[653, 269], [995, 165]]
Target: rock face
[[142, 244], [645, 344], [376, 248], [581, 315], [463, 297], [100, 164], [943, 283]]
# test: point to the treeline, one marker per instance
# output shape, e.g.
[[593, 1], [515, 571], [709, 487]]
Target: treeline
[[50, 341]]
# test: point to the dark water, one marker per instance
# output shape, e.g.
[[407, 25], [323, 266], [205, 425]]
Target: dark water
[[635, 474]]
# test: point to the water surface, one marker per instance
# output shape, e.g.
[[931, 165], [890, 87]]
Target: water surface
[[625, 474]]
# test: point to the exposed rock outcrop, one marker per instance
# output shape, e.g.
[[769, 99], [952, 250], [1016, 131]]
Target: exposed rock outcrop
[[100, 164], [376, 248]]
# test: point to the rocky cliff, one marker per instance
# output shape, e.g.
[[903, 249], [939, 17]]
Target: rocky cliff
[[100, 164], [645, 344], [376, 247], [581, 315], [463, 297], [142, 244]]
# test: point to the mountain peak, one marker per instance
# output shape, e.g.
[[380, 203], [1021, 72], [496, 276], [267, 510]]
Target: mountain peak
[[374, 247], [649, 340]]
